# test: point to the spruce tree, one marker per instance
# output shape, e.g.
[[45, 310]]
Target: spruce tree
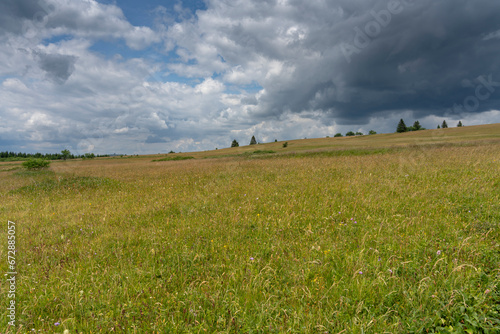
[[253, 141], [444, 125], [235, 143], [460, 124], [417, 126], [401, 126]]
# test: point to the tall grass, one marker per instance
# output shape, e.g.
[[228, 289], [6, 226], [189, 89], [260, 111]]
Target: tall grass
[[400, 241]]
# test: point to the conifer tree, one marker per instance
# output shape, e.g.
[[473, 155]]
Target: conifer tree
[[401, 126]]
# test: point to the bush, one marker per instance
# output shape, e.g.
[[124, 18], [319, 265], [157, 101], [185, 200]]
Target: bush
[[36, 164], [338, 135], [350, 134], [285, 144]]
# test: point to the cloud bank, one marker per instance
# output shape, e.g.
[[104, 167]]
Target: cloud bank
[[80, 75]]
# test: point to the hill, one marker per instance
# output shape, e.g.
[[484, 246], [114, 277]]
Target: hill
[[394, 233], [469, 135]]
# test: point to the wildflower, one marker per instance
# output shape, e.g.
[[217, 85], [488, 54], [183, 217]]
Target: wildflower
[[57, 324], [355, 222], [66, 331], [390, 271], [360, 272], [438, 253], [487, 291], [251, 259]]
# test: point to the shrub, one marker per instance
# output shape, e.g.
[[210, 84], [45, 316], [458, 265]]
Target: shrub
[[338, 135], [235, 143], [350, 134], [285, 144], [36, 164]]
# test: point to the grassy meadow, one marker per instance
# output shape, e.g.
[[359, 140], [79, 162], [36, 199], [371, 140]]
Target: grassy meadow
[[389, 233]]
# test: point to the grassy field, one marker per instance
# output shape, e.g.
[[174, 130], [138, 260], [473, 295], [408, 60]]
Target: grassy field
[[390, 233]]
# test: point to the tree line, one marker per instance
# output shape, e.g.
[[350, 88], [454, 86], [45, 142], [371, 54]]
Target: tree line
[[416, 126], [64, 155], [400, 128]]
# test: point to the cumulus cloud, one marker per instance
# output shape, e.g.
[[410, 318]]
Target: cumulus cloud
[[278, 69], [351, 60]]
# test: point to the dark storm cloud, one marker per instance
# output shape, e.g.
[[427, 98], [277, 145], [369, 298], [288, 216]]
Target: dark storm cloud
[[387, 56], [358, 59]]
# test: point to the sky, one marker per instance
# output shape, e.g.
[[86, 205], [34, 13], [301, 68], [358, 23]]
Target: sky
[[151, 76]]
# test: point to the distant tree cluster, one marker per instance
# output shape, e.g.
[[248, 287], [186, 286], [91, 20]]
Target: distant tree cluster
[[65, 154], [444, 125], [403, 128], [416, 126], [351, 133], [253, 141]]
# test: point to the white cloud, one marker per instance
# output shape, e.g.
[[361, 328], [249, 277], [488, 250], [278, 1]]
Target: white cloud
[[267, 68]]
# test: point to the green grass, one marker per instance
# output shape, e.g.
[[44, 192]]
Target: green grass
[[176, 158], [384, 238]]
